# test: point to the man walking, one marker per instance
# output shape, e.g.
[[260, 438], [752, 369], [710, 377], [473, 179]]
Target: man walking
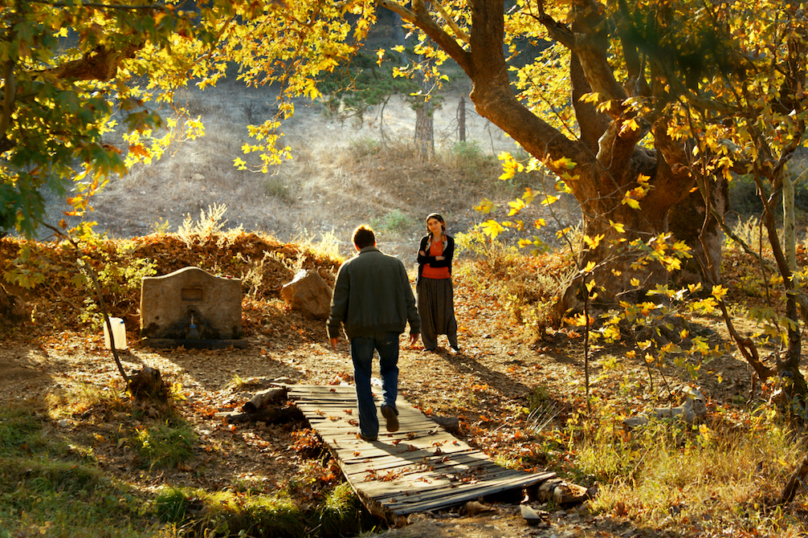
[[373, 300]]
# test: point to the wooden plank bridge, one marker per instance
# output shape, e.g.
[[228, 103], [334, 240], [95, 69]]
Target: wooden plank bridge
[[419, 468]]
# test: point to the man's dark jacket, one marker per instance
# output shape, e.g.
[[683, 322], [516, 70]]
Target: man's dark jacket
[[372, 295]]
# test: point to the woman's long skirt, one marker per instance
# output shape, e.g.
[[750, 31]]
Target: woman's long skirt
[[436, 308]]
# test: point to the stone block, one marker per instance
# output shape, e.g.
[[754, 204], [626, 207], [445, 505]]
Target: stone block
[[190, 305]]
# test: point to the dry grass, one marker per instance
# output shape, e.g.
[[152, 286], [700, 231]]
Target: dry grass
[[699, 480], [527, 286], [341, 175]]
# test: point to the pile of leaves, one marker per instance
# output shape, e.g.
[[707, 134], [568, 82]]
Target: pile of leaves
[[54, 276]]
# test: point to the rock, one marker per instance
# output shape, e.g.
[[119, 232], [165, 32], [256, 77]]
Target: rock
[[692, 411], [147, 384], [531, 516], [308, 293], [566, 493], [472, 508], [546, 488], [562, 492], [12, 308]]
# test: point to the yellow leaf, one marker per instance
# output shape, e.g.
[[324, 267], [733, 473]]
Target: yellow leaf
[[719, 292], [635, 282], [629, 125], [617, 226], [509, 166], [549, 200], [561, 186], [492, 228], [589, 267], [604, 106], [516, 206], [486, 206], [593, 242], [564, 162], [592, 97], [631, 203]]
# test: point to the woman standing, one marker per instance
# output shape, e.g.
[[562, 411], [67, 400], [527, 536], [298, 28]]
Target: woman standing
[[434, 285]]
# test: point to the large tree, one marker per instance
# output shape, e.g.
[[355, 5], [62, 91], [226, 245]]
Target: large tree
[[643, 110], [666, 97]]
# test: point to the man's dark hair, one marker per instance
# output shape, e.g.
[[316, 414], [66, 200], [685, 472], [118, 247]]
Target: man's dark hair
[[363, 237]]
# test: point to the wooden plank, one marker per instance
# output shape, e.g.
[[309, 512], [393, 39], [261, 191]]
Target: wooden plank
[[360, 452], [424, 491], [420, 467], [443, 498], [474, 467], [472, 458], [424, 482]]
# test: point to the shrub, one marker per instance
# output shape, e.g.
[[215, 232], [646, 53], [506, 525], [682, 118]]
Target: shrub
[[528, 286], [163, 445], [364, 147], [395, 221]]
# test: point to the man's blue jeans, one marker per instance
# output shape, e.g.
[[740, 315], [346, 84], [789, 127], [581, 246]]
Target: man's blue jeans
[[362, 348]]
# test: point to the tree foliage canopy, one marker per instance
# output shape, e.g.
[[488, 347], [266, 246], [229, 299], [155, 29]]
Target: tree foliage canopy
[[634, 105]]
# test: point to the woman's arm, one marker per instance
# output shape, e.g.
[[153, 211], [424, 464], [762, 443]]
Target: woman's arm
[[446, 259], [423, 259]]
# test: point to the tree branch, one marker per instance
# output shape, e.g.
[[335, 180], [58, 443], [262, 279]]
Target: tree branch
[[420, 17], [100, 64], [591, 122], [450, 21], [636, 84], [99, 6], [592, 46], [9, 94], [494, 99]]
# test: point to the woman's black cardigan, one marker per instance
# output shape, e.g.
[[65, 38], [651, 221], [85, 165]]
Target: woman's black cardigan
[[448, 253]]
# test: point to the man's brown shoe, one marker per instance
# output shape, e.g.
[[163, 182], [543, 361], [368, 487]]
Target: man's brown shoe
[[391, 415]]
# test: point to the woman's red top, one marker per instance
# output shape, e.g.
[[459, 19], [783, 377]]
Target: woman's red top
[[436, 249]]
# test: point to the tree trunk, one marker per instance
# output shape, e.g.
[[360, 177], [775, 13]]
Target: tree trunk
[[612, 259], [686, 222], [789, 223], [461, 120], [424, 127], [148, 384]]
